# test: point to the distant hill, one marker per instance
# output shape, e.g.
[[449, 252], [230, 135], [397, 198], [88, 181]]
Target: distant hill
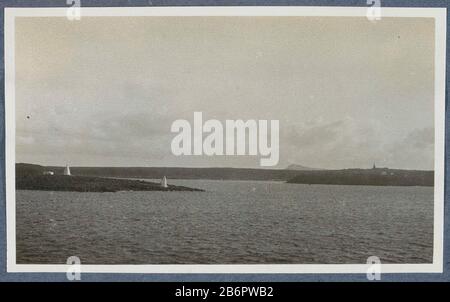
[[300, 168], [378, 176], [367, 177], [29, 169]]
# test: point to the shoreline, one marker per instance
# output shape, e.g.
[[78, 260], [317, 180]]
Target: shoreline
[[76, 183]]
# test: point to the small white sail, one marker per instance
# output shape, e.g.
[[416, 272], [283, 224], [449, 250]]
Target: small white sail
[[164, 182], [67, 170]]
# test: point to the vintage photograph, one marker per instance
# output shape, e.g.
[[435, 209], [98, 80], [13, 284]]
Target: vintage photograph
[[225, 139]]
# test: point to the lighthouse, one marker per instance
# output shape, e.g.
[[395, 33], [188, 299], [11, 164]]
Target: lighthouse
[[67, 170], [164, 182]]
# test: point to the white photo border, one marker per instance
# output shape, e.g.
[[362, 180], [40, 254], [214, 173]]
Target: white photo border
[[439, 14]]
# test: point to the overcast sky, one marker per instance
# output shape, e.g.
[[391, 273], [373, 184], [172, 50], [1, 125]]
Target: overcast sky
[[104, 91]]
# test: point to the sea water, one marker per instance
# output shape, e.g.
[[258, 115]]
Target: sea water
[[233, 222]]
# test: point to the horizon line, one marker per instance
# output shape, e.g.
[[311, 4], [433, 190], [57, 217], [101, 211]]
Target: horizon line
[[219, 167]]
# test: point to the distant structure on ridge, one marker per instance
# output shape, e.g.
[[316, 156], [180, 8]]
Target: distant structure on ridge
[[67, 170]]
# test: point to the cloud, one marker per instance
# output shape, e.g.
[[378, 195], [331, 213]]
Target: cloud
[[126, 135], [89, 97], [358, 143], [415, 150], [421, 138], [316, 136]]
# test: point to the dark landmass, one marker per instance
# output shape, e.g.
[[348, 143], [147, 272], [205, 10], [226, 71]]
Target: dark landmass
[[377, 177], [368, 177], [170, 173], [30, 177], [300, 168]]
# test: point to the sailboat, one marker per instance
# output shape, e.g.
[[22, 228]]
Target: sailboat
[[164, 182]]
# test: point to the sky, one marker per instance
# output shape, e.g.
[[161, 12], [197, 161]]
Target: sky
[[104, 91]]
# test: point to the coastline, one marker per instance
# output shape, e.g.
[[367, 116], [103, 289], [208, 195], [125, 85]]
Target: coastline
[[90, 184]]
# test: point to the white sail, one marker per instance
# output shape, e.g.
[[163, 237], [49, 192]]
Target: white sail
[[67, 170], [164, 182]]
